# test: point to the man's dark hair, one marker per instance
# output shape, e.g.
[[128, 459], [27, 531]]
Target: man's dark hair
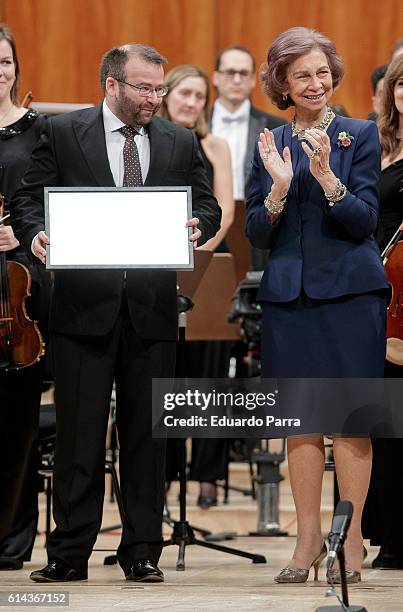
[[233, 48], [377, 75], [114, 61]]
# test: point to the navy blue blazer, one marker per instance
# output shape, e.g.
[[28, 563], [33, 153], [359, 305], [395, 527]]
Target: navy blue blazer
[[326, 251]]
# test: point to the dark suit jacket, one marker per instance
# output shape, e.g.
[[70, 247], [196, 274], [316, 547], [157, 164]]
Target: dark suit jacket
[[327, 251], [72, 152]]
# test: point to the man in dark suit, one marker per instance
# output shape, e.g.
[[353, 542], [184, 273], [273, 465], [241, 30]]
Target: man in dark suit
[[111, 325], [237, 121]]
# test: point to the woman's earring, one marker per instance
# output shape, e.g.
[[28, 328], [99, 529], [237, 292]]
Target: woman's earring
[[285, 96]]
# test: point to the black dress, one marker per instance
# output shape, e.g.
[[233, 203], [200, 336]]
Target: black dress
[[383, 508], [20, 392]]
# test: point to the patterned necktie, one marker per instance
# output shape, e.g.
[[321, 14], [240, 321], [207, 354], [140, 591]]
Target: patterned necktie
[[132, 175]]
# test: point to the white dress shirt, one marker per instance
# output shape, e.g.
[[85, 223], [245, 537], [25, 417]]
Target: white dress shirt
[[233, 127], [114, 146]]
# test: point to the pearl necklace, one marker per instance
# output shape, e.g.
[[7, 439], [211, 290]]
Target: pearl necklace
[[323, 125]]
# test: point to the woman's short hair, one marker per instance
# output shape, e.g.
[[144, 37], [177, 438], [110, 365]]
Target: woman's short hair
[[5, 34], [388, 120], [172, 79], [288, 47]]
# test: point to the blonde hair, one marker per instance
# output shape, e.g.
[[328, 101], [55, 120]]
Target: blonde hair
[[388, 120], [172, 79]]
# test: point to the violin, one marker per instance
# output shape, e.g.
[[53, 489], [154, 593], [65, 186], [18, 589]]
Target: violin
[[393, 263], [21, 343]]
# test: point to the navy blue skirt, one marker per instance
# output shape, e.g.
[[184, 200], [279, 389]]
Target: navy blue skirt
[[339, 338]]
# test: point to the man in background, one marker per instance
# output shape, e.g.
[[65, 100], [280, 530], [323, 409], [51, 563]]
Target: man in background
[[377, 88], [239, 123]]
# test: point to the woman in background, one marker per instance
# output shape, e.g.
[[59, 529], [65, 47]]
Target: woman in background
[[385, 498], [20, 391], [187, 104]]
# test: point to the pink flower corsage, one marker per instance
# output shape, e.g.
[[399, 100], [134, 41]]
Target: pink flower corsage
[[344, 140]]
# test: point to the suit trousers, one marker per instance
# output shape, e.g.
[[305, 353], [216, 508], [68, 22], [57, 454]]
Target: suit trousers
[[85, 368]]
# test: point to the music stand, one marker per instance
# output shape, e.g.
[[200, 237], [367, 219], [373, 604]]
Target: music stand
[[183, 534], [208, 320], [238, 243]]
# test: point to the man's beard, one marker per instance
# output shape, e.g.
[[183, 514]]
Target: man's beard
[[131, 113]]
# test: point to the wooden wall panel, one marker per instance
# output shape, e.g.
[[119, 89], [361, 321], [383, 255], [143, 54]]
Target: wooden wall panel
[[363, 30], [61, 42]]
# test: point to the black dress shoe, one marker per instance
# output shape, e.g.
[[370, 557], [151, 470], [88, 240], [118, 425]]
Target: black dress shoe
[[389, 557], [206, 501], [58, 571], [10, 563], [145, 570]]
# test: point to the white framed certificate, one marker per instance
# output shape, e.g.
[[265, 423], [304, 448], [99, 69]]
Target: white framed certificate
[[118, 227]]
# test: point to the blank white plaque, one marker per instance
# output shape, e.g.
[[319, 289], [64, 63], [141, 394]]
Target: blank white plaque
[[111, 227]]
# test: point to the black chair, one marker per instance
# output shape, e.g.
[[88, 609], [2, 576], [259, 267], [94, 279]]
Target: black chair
[[47, 440]]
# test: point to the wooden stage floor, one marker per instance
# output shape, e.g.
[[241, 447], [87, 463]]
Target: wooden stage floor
[[212, 580]]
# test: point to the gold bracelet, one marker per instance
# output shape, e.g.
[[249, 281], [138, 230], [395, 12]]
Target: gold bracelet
[[274, 207], [338, 194]]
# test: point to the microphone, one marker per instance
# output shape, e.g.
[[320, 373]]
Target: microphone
[[340, 524]]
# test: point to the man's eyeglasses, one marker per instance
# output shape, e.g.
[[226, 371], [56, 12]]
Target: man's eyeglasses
[[229, 74], [146, 92]]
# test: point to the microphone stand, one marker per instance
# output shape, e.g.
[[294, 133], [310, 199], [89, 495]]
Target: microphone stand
[[344, 603], [344, 590]]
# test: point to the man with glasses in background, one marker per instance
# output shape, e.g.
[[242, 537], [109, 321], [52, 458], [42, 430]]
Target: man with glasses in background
[[111, 325], [239, 123]]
